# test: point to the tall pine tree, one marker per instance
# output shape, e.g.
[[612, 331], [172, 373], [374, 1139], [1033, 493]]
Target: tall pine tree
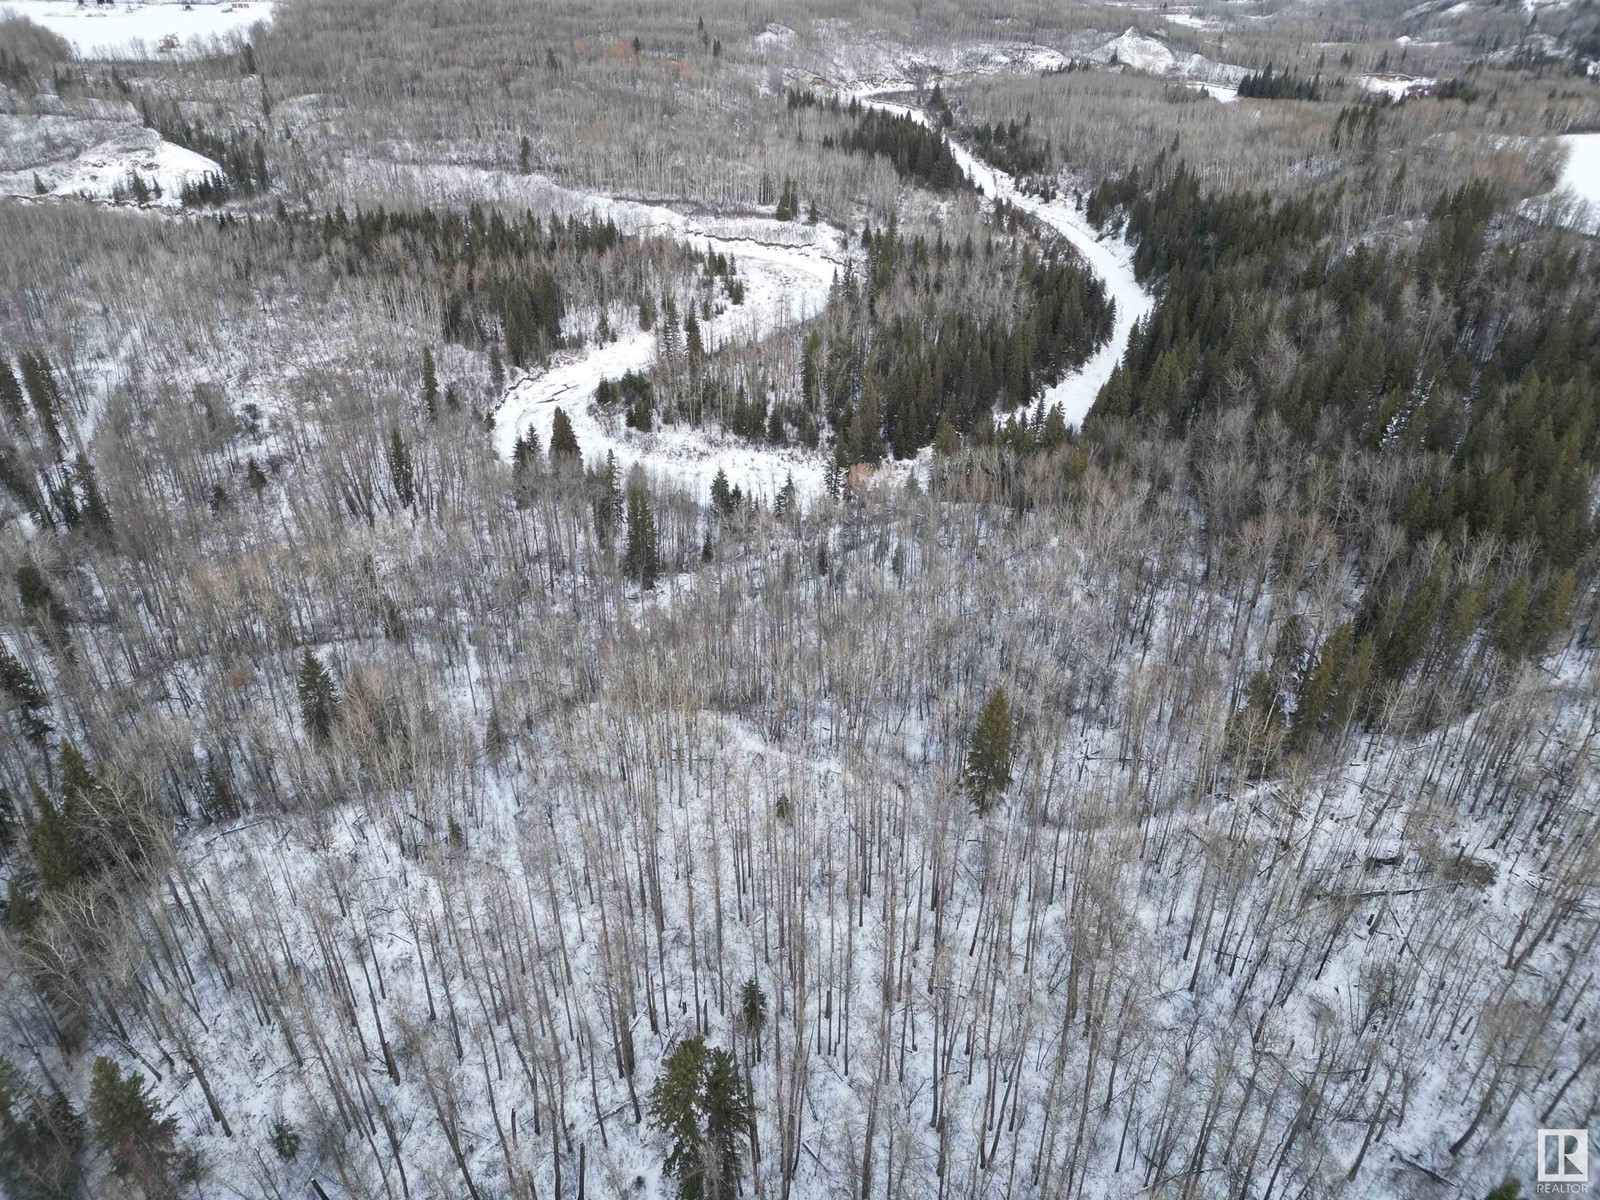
[[400, 472], [701, 1103], [988, 771], [563, 442], [641, 562], [319, 702]]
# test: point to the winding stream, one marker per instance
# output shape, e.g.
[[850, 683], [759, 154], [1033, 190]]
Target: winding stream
[[787, 270]]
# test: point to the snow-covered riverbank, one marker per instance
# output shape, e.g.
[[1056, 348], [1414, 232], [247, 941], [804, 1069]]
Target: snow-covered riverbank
[[786, 280], [1111, 258]]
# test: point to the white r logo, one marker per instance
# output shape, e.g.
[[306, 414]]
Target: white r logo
[[1563, 1156]]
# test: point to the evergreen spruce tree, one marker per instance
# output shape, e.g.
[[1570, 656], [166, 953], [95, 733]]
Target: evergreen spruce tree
[[400, 471], [38, 599], [675, 1110], [693, 347], [753, 1011], [25, 695], [430, 385], [1549, 613], [131, 1131], [12, 408], [641, 562], [1054, 433], [810, 370], [563, 442], [721, 493], [701, 1103], [615, 504], [1322, 685], [497, 369], [56, 853], [726, 1102], [318, 699], [785, 504], [41, 1136], [1509, 624], [525, 453], [988, 771], [43, 392], [96, 516], [285, 1140], [609, 506]]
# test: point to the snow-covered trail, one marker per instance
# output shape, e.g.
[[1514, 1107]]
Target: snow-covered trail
[[1110, 258]]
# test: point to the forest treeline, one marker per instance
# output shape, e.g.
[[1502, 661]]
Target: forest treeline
[[1462, 362], [915, 151]]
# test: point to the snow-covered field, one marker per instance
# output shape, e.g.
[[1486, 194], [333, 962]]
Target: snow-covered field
[[1580, 175], [132, 31], [73, 156]]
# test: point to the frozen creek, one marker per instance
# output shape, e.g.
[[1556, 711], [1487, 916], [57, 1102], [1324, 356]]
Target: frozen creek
[[788, 270]]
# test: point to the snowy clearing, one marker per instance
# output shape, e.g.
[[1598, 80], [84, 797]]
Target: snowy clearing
[[1396, 87], [1575, 201], [1580, 174], [92, 158], [135, 31], [890, 66], [1140, 52]]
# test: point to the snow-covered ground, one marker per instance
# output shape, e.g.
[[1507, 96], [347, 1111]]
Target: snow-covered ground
[[1396, 87], [131, 31], [1190, 21], [1140, 51], [71, 156], [893, 66], [1110, 258]]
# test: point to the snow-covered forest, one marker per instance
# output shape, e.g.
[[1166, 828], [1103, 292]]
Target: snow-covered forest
[[657, 603]]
